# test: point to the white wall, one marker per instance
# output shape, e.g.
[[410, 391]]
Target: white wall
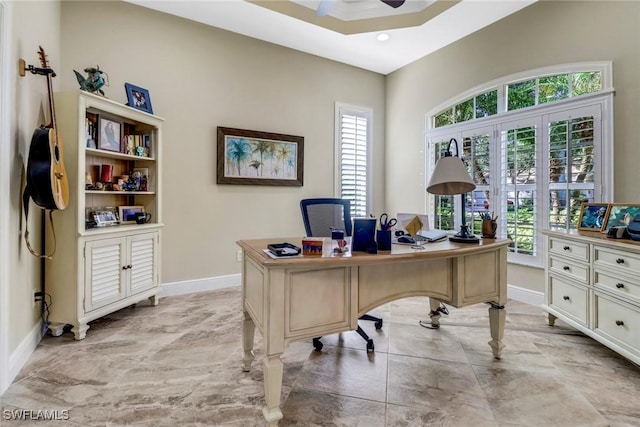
[[200, 78], [543, 34], [32, 24]]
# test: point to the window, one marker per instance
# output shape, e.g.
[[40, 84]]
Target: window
[[532, 167], [353, 140]]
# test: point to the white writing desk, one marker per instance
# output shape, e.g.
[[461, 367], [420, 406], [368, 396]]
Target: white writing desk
[[295, 298]]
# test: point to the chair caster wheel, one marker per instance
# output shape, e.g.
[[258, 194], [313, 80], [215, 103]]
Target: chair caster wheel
[[370, 345], [378, 324], [317, 344]]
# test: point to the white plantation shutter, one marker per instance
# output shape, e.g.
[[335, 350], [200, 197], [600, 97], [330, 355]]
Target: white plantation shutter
[[532, 170], [352, 148]]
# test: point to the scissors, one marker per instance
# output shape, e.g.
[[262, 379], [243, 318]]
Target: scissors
[[386, 223]]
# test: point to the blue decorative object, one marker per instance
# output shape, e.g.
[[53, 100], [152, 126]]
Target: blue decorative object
[[94, 80]]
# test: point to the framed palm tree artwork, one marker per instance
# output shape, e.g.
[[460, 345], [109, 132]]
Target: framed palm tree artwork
[[249, 157]]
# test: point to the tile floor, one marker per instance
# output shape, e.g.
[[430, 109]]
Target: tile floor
[[179, 364]]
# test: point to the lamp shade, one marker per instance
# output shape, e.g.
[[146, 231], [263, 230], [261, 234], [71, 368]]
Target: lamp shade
[[450, 177]]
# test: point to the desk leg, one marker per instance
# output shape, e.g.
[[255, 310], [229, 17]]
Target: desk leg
[[497, 317], [248, 332], [273, 370]]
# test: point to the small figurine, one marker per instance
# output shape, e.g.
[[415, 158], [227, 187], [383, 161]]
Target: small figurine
[[94, 80]]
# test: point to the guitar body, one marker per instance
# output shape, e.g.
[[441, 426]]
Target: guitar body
[[46, 176]]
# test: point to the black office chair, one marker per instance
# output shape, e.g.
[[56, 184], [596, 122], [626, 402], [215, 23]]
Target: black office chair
[[320, 216]]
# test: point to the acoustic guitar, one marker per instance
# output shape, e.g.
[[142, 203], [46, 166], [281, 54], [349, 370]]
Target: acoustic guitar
[[46, 176]]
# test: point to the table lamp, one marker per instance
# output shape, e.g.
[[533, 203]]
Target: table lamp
[[451, 177]]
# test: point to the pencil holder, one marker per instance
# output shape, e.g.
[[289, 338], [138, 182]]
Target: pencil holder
[[383, 238], [489, 227]]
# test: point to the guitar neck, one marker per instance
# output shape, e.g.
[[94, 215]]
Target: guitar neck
[[52, 110]]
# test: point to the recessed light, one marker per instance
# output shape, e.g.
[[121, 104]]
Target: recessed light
[[383, 37]]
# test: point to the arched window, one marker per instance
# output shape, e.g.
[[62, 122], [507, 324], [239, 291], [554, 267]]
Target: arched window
[[537, 144]]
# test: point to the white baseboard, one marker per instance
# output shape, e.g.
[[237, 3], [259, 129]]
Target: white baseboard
[[19, 357], [200, 285], [525, 295]]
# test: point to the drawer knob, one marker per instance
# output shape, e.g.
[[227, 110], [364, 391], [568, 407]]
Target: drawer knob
[[566, 298], [619, 285], [619, 323], [620, 261], [566, 268], [567, 248]]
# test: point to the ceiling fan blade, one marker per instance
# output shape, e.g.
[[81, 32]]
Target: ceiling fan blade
[[393, 3], [324, 7]]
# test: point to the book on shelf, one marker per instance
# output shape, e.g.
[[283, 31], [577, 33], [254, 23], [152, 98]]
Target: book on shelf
[[138, 145]]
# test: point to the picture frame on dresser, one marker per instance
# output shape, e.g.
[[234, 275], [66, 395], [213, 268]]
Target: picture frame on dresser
[[593, 216], [620, 215]]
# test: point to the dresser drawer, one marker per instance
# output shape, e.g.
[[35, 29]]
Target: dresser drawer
[[617, 321], [617, 259], [569, 248], [569, 268], [568, 298], [625, 288]]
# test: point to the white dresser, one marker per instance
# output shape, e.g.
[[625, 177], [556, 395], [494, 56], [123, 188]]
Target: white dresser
[[593, 284]]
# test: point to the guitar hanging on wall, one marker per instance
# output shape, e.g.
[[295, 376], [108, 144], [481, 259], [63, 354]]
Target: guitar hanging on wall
[[46, 176], [47, 183]]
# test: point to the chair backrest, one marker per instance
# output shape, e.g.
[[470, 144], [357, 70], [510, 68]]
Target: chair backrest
[[323, 214]]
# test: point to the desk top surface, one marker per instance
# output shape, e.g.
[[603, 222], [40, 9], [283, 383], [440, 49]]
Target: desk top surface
[[255, 249]]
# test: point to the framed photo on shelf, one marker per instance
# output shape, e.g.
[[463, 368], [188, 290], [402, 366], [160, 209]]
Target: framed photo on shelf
[[620, 214], [109, 133], [251, 157], [138, 98], [128, 213], [101, 217], [593, 216]]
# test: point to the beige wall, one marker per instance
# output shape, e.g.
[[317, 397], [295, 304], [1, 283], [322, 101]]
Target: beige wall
[[200, 78], [543, 34], [33, 24]]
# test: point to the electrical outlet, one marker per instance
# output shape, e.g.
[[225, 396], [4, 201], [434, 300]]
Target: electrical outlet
[[37, 296], [239, 255]]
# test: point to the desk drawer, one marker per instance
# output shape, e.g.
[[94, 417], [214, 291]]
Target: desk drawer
[[617, 260], [569, 268], [624, 288], [617, 322], [569, 248], [568, 298]]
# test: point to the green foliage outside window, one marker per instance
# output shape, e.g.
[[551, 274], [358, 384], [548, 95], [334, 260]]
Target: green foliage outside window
[[570, 157]]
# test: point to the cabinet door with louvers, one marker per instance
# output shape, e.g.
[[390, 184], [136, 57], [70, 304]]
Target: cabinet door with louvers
[[117, 268], [141, 269], [105, 270]]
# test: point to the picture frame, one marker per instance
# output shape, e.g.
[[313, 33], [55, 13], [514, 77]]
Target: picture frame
[[620, 214], [128, 213], [109, 135], [248, 157], [593, 216], [138, 98], [97, 217]]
